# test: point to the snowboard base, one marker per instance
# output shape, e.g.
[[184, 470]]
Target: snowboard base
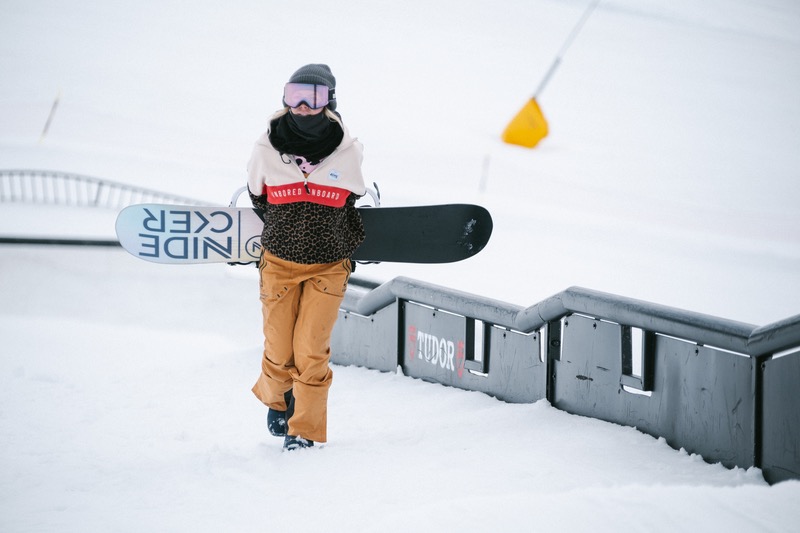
[[174, 234]]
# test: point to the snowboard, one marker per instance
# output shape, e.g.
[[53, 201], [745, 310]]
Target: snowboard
[[178, 234]]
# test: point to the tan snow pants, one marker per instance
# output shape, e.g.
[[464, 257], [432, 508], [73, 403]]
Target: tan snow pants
[[300, 305]]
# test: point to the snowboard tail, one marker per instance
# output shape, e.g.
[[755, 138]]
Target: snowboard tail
[[424, 234]]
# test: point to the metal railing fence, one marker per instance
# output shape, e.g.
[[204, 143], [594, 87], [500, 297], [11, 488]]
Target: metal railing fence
[[63, 188]]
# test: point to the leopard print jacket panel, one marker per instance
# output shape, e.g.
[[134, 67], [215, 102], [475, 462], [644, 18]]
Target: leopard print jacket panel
[[310, 233]]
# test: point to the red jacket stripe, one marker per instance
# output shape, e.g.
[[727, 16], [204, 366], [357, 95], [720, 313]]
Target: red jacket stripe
[[311, 192]]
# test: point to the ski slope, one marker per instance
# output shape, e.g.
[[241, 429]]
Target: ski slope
[[126, 407], [670, 175]]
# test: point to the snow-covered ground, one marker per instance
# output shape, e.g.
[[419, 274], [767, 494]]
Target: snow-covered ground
[[670, 175], [125, 406]]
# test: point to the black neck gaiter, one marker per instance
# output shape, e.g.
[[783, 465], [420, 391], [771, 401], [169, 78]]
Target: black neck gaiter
[[314, 137]]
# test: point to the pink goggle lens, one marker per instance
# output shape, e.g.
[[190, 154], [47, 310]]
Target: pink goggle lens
[[314, 96]]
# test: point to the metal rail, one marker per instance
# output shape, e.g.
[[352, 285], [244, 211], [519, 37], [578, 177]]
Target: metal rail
[[63, 188]]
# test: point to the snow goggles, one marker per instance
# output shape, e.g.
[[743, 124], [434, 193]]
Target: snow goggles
[[314, 96]]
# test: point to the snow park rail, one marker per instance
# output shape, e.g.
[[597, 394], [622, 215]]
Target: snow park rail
[[47, 187], [63, 188], [722, 389]]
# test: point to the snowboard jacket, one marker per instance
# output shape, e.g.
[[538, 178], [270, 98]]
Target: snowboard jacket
[[308, 219]]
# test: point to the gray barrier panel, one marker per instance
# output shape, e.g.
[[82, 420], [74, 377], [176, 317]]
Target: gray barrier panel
[[780, 448], [699, 398], [453, 350], [366, 341]]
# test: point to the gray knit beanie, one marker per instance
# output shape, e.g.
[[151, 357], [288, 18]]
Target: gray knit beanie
[[318, 74]]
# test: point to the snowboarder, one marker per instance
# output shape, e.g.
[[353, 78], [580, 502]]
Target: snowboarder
[[305, 175]]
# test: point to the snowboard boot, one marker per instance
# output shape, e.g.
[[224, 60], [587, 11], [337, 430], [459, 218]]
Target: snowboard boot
[[277, 421], [295, 443]]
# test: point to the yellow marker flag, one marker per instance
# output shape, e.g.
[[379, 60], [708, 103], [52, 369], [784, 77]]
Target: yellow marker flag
[[528, 127]]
